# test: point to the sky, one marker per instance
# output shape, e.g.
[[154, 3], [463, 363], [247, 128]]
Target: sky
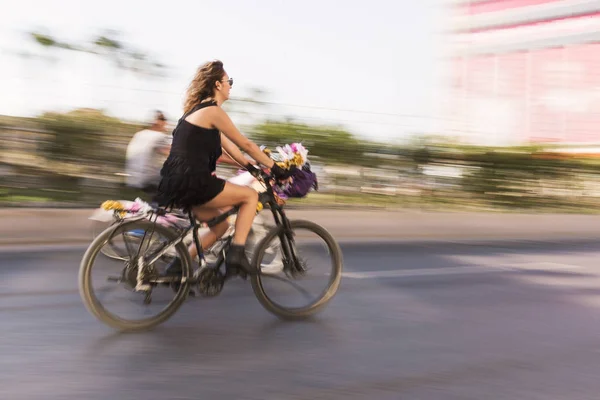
[[373, 67]]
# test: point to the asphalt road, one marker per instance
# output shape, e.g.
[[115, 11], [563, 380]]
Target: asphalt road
[[510, 320]]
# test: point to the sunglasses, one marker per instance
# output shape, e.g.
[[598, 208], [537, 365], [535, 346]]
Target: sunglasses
[[230, 81]]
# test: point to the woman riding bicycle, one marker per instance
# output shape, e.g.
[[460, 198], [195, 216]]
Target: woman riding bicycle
[[188, 179]]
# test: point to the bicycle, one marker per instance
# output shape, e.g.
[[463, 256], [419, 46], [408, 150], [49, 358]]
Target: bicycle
[[141, 275]]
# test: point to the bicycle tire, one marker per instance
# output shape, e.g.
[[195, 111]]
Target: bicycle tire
[[303, 312], [95, 307]]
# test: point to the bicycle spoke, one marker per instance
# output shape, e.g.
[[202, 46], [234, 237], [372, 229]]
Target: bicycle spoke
[[129, 247]]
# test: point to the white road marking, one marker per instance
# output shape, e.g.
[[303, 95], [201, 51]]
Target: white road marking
[[466, 269], [542, 266], [420, 272]]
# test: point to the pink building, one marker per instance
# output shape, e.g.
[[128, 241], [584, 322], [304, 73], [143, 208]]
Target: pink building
[[524, 71]]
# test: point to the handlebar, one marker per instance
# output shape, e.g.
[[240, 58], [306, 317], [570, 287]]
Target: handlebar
[[258, 172]]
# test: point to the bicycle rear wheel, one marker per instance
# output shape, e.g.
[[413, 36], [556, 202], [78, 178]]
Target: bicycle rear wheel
[[103, 277], [292, 294]]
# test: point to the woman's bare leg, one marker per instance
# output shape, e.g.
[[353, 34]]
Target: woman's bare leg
[[247, 199], [232, 195]]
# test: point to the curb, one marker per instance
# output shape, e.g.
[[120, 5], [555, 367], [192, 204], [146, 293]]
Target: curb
[[56, 227]]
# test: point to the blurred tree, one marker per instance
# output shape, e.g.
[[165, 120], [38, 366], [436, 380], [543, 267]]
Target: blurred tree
[[333, 144], [71, 138], [49, 41], [110, 46], [87, 136], [511, 179], [421, 156]]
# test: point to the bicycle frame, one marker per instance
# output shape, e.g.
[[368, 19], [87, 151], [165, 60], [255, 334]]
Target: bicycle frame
[[286, 234]]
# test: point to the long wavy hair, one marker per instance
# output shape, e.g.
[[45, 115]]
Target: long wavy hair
[[203, 85]]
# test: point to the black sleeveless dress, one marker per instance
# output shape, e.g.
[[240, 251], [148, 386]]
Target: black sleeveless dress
[[187, 175]]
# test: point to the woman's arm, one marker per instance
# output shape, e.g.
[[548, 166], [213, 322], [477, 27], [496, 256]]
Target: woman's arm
[[233, 155], [224, 124]]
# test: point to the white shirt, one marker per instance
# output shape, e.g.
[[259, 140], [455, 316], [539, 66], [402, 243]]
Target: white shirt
[[143, 162]]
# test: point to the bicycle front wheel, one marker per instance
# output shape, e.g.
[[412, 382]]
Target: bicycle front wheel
[[107, 285], [308, 281]]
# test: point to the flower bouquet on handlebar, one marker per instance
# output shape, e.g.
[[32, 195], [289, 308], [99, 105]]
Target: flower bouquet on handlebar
[[292, 158]]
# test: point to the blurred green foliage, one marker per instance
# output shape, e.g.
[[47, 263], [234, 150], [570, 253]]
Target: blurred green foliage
[[76, 158], [86, 136], [330, 143], [109, 45]]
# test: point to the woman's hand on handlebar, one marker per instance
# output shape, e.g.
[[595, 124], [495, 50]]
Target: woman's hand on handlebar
[[253, 169], [282, 174]]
